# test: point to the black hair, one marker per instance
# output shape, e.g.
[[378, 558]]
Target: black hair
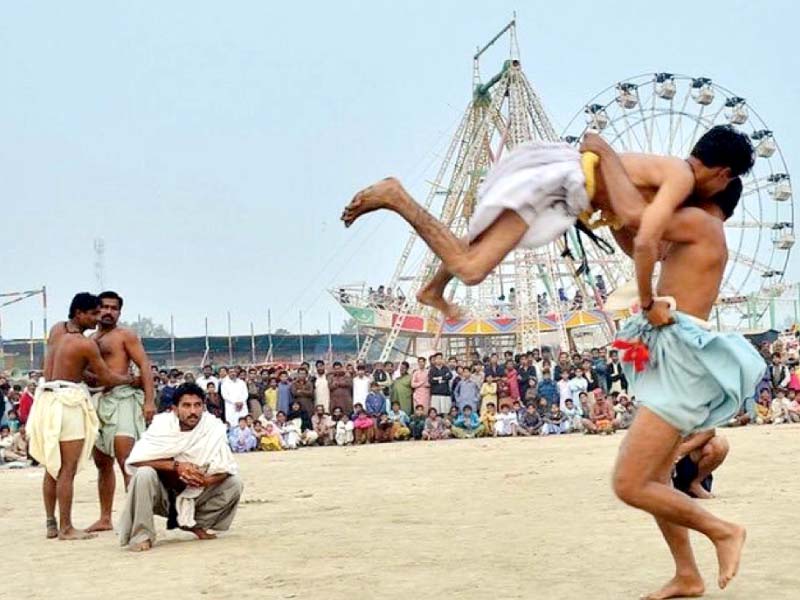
[[83, 302], [728, 198], [111, 296], [242, 419], [337, 364], [188, 389], [319, 362], [467, 407], [724, 146]]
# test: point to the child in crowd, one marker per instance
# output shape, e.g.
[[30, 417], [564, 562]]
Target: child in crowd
[[271, 395], [572, 417], [344, 431], [288, 430], [270, 439], [503, 392], [489, 418], [506, 423], [467, 425], [488, 393], [214, 403], [779, 408], [530, 423], [762, 408], [375, 404], [400, 420], [383, 429], [241, 437], [554, 422], [364, 427], [416, 423], [434, 427]]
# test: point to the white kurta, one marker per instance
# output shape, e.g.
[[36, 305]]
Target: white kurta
[[234, 391], [360, 389], [322, 393]]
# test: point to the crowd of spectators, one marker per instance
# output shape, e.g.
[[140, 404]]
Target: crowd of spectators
[[278, 407]]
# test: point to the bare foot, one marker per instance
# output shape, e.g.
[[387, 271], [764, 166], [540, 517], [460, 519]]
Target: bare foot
[[377, 196], [430, 297], [100, 525], [141, 547], [72, 534], [201, 533], [729, 552], [691, 586], [699, 491]]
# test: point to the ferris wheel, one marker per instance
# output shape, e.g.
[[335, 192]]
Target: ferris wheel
[[665, 113]]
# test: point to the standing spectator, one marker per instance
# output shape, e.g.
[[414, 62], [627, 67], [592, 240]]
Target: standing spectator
[[382, 378], [421, 385], [284, 392], [494, 368], [615, 378], [547, 388], [503, 393], [271, 395], [528, 377], [577, 385], [302, 391], [167, 392], [375, 402], [360, 388], [513, 381], [214, 403], [466, 392], [600, 365], [207, 377], [564, 389], [341, 387], [322, 392], [488, 393], [439, 377], [255, 394], [402, 392], [234, 393], [590, 375], [778, 373], [562, 365]]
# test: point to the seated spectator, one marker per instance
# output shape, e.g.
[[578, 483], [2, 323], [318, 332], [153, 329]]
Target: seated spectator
[[555, 422], [489, 418], [323, 426], [506, 423], [242, 438], [763, 408], [794, 407], [416, 424], [271, 395], [399, 421], [779, 408], [467, 425], [488, 392], [363, 426], [573, 419], [530, 423], [344, 431], [299, 416], [13, 446], [270, 439], [543, 407], [503, 392], [289, 431], [434, 427], [214, 403], [740, 419], [451, 417], [601, 418], [384, 429], [12, 420], [375, 404], [624, 412]]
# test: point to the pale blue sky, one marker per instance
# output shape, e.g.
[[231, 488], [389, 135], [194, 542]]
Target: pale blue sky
[[212, 145]]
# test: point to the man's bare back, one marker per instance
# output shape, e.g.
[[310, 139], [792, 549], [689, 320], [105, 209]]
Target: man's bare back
[[70, 354]]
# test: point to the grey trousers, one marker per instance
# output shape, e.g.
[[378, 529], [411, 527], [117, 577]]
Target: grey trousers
[[147, 497]]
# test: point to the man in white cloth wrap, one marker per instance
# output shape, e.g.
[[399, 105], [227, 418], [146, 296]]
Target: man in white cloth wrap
[[529, 199], [687, 378], [63, 425], [123, 410], [182, 469]]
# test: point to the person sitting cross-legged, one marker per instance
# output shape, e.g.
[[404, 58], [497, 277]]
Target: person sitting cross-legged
[[241, 437], [363, 426], [416, 422], [507, 422], [434, 427], [555, 422], [400, 420], [530, 423], [468, 425]]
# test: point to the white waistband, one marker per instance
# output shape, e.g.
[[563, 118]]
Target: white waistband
[[58, 384]]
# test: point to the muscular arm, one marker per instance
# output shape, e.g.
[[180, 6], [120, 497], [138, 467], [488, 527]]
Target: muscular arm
[[135, 349], [98, 366]]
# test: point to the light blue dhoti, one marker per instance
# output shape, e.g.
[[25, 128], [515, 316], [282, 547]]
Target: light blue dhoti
[[696, 379]]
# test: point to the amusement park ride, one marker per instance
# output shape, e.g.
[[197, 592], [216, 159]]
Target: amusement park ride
[[544, 297]]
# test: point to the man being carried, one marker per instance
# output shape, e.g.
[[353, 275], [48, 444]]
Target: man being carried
[[122, 410], [183, 469], [691, 379], [63, 423], [535, 195]]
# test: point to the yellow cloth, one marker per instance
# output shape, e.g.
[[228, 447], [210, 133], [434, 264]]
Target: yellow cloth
[[271, 443], [589, 162], [53, 404]]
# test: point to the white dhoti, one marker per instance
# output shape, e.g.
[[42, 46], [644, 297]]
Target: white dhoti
[[543, 182], [62, 411]]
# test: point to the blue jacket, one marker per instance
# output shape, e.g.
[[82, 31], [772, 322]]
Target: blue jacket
[[547, 389]]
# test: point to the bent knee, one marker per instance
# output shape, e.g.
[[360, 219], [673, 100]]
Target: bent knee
[[627, 488], [145, 473]]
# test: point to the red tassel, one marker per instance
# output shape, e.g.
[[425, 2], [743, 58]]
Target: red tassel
[[635, 352]]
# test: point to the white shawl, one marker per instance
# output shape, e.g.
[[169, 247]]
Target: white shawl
[[205, 446]]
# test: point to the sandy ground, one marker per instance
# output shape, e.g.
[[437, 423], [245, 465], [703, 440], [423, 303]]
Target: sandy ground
[[481, 519]]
